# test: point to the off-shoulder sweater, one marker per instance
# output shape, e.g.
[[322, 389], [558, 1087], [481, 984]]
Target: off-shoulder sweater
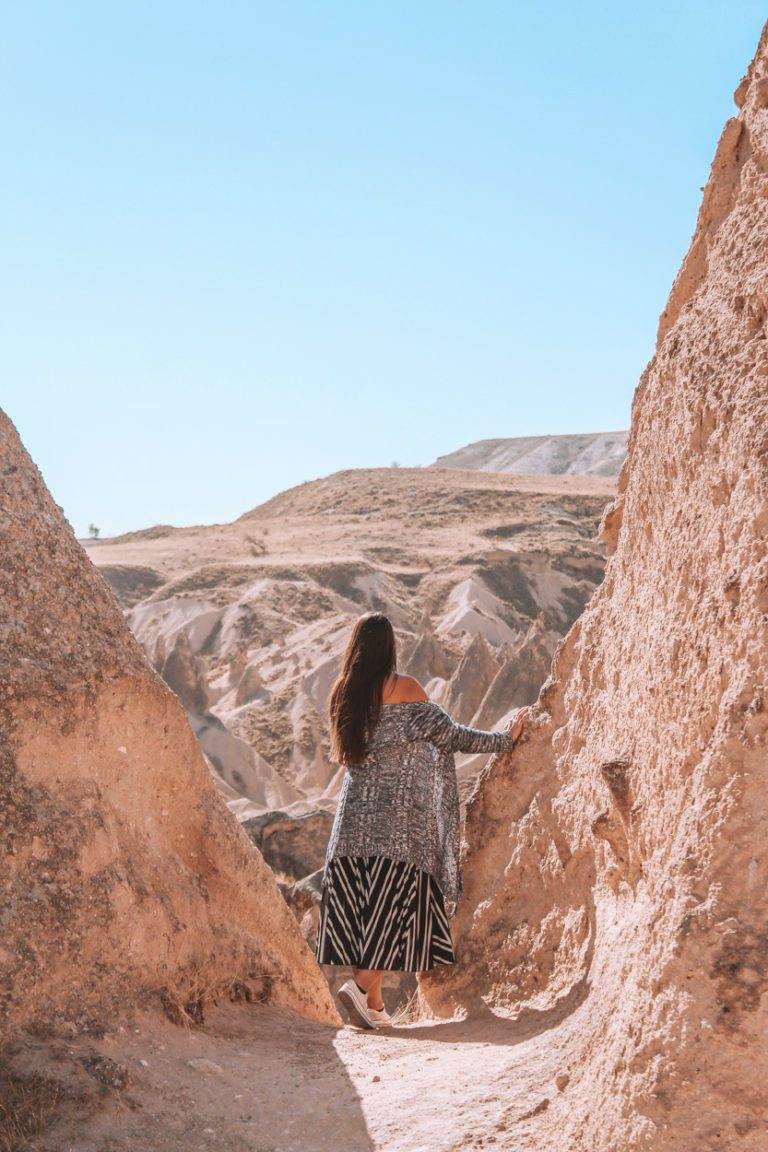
[[402, 801]]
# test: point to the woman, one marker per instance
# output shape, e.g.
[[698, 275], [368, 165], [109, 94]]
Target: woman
[[393, 853]]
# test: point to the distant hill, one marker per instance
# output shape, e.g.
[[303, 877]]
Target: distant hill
[[590, 454]]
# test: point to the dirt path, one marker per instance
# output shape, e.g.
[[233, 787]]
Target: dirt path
[[258, 1079]]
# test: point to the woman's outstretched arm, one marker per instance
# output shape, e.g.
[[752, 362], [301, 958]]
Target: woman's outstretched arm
[[434, 724]]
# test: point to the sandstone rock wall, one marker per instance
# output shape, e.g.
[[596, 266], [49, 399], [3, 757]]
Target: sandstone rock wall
[[617, 864], [123, 871]]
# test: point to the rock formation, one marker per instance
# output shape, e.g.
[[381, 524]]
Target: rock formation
[[123, 872], [476, 671], [520, 676], [184, 673], [429, 658], [616, 870]]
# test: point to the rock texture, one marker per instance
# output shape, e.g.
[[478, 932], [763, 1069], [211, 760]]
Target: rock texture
[[591, 454], [295, 846], [616, 871], [123, 872]]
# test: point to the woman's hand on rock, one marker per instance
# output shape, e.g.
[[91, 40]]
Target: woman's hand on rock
[[517, 723]]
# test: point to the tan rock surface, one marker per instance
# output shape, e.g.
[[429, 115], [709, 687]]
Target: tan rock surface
[[617, 870], [123, 871]]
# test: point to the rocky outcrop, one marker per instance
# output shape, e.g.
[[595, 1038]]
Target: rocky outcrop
[[306, 893], [521, 675], [251, 784], [616, 873], [429, 658], [476, 671], [184, 673], [124, 874], [250, 687]]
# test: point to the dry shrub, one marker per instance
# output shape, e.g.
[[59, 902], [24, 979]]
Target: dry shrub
[[28, 1104], [408, 1011], [185, 1004]]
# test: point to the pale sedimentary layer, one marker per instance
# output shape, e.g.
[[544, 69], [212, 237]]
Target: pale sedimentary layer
[[585, 454]]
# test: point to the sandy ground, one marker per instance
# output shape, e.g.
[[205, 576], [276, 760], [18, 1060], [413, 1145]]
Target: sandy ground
[[257, 1079]]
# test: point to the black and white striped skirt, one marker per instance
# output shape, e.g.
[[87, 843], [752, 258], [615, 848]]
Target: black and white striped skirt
[[382, 914]]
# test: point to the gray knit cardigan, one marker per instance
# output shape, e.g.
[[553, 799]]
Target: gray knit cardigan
[[403, 801]]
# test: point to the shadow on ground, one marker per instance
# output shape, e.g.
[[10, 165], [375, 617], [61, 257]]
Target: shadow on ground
[[252, 1077]]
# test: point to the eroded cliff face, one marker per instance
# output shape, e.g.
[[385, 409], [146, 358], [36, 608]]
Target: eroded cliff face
[[617, 864], [123, 872]]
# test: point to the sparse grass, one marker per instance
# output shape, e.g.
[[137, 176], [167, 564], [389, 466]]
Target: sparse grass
[[27, 1107], [186, 1005], [407, 1012], [506, 531]]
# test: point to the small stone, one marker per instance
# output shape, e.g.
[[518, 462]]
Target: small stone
[[200, 1064], [562, 1080], [536, 1111], [106, 1071], [375, 1079]]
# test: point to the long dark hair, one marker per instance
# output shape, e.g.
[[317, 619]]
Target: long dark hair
[[369, 659]]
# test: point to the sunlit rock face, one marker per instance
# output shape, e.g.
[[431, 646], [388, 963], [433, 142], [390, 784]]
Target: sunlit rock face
[[617, 864], [124, 874]]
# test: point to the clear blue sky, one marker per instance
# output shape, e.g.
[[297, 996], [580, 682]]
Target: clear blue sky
[[245, 244]]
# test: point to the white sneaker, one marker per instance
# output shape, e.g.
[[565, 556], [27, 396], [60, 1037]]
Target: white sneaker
[[381, 1019], [356, 1006]]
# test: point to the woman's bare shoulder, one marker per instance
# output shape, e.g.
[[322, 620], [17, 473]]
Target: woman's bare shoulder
[[406, 690]]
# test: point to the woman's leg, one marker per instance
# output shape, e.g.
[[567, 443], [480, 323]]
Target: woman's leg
[[370, 982]]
